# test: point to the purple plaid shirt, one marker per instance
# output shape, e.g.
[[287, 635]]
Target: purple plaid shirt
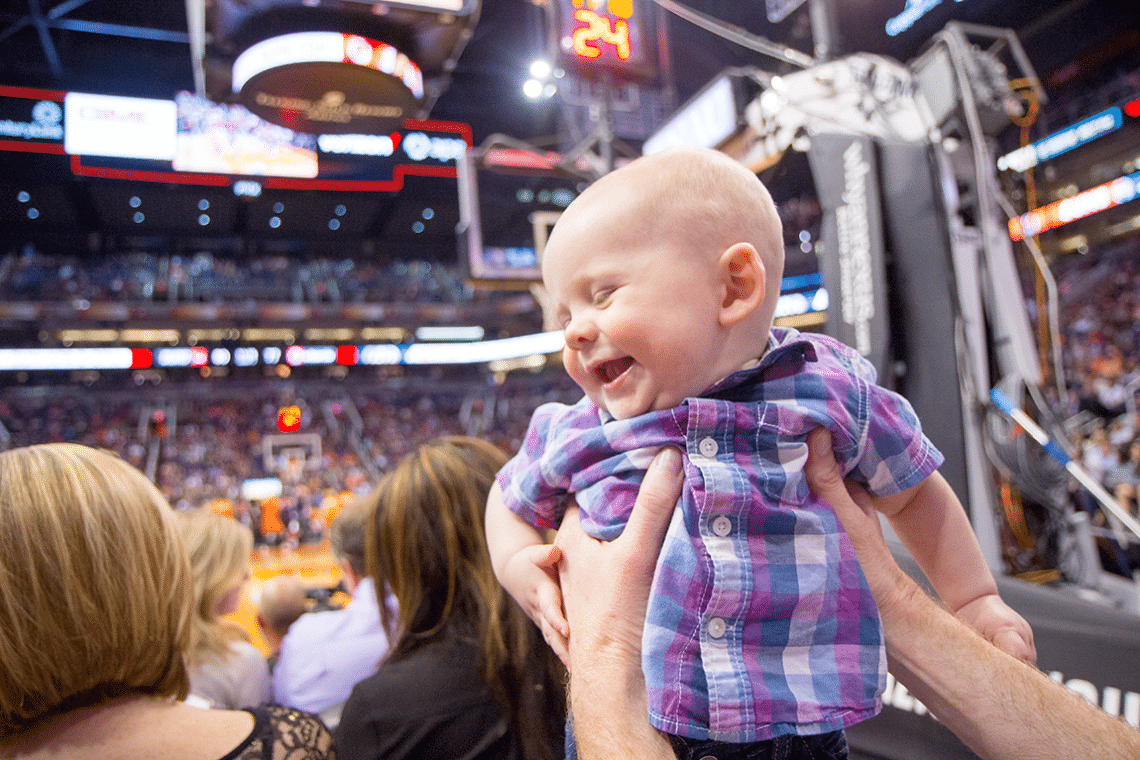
[[760, 621]]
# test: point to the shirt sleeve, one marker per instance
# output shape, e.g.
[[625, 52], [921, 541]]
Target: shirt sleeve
[[536, 481], [885, 448]]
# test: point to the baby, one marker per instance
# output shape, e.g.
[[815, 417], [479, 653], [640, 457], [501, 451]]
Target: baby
[[664, 275]]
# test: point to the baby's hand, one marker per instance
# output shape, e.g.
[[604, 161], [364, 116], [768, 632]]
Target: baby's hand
[[531, 577], [998, 623]]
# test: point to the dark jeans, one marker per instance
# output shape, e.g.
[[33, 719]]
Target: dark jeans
[[832, 746]]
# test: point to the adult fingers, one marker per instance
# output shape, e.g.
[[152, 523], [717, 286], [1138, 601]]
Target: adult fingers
[[656, 500]]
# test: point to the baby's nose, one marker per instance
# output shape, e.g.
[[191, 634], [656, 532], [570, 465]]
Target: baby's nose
[[579, 332]]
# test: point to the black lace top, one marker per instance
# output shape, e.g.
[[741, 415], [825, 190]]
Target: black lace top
[[282, 733]]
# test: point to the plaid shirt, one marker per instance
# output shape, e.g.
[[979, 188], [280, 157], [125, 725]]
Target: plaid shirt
[[760, 621]]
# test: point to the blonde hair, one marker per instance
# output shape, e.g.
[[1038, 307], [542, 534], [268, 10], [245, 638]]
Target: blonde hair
[[219, 550], [94, 585], [425, 541]]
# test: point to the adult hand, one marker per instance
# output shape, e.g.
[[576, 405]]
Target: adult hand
[[605, 589], [853, 507], [966, 681]]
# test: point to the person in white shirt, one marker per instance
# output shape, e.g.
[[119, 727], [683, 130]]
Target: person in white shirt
[[324, 654]]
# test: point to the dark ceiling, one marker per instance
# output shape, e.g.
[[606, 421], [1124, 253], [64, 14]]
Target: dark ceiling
[[141, 48]]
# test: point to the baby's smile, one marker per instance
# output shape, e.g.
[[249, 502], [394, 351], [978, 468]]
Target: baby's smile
[[613, 369]]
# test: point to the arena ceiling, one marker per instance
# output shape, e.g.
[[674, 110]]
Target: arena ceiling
[[142, 48]]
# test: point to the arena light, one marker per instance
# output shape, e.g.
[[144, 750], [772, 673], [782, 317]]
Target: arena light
[[347, 356], [268, 335], [392, 334], [68, 337], [383, 354], [301, 356], [192, 356], [334, 334], [534, 361], [139, 335], [484, 351], [440, 333]]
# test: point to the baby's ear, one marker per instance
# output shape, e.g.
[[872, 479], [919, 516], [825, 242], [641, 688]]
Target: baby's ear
[[743, 278]]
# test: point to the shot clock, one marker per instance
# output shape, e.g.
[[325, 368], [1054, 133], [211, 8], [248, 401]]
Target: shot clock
[[606, 38]]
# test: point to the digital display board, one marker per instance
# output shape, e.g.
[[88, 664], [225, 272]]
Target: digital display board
[[31, 120], [229, 139], [596, 37], [193, 141], [108, 125]]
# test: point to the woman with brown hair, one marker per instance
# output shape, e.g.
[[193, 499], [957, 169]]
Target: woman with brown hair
[[468, 676], [95, 619], [226, 670]]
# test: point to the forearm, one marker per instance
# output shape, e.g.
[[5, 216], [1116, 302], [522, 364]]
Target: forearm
[[507, 533], [933, 526], [609, 705], [606, 588], [972, 687]]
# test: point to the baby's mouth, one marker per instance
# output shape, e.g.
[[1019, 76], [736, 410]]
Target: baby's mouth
[[613, 369]]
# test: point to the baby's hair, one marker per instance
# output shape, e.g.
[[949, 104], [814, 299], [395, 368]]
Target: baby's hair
[[710, 197]]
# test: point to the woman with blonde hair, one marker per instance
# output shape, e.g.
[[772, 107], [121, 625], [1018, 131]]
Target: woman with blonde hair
[[226, 670], [468, 675], [95, 619]]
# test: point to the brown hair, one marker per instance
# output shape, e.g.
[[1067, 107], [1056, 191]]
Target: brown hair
[[219, 549], [346, 535], [94, 585], [426, 542]]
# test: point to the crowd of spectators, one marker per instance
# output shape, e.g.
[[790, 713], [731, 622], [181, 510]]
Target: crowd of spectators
[[202, 277], [209, 446], [1100, 322]]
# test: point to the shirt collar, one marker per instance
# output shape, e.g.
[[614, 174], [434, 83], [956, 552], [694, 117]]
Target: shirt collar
[[785, 345]]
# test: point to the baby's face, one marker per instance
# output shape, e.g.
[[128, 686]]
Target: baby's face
[[641, 316]]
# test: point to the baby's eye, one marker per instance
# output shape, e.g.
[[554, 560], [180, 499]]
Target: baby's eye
[[601, 296]]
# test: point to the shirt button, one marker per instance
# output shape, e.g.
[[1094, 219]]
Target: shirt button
[[716, 627], [722, 526], [708, 447]]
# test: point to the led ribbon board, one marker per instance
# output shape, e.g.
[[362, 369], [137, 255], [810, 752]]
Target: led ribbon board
[[914, 10], [1120, 190], [1084, 131], [122, 358], [329, 82]]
